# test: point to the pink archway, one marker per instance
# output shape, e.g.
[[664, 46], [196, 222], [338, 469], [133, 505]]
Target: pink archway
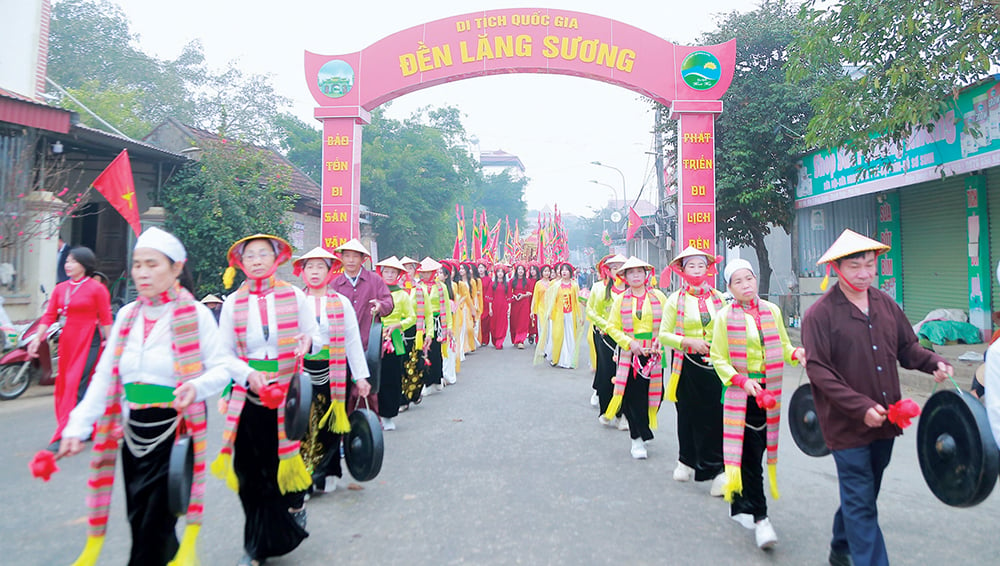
[[690, 80]]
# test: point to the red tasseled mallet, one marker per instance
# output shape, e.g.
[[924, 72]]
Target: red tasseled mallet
[[766, 399], [901, 412], [43, 465], [272, 396]]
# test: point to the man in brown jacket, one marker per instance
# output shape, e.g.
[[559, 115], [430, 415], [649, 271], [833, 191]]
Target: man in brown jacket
[[854, 336]]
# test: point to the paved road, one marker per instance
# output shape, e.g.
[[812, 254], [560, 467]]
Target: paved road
[[509, 466]]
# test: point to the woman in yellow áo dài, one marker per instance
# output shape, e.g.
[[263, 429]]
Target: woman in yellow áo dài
[[560, 318], [749, 350], [634, 324]]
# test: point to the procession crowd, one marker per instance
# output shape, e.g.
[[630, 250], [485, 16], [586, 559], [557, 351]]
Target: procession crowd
[[718, 357]]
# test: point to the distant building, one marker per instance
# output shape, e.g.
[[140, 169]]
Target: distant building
[[496, 162]]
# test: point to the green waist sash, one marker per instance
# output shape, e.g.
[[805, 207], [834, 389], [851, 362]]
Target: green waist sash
[[267, 366], [148, 393], [644, 336], [321, 355]]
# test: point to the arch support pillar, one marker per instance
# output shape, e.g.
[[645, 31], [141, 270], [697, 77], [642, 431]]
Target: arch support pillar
[[696, 172], [341, 199]]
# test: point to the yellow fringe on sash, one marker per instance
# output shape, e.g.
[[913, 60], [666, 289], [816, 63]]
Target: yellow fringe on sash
[[229, 276], [339, 423], [222, 468], [420, 341], [652, 417], [593, 347], [772, 478], [187, 554], [90, 552], [293, 475], [675, 378], [734, 483], [613, 407]]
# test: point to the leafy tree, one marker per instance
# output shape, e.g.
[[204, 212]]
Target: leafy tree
[[116, 104], [408, 173], [236, 105], [501, 196], [755, 154], [234, 191], [302, 144], [906, 62], [91, 46]]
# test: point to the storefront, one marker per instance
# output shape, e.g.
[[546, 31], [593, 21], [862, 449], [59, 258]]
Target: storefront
[[933, 203]]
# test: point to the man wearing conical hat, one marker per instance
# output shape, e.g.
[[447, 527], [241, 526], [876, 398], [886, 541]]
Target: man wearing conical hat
[[855, 336], [369, 296]]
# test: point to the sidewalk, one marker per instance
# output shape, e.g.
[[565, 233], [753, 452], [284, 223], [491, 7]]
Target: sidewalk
[[924, 382]]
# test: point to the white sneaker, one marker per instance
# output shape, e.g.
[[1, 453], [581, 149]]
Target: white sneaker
[[717, 485], [427, 390], [683, 472], [595, 401], [745, 520], [331, 484], [387, 424], [764, 532], [622, 423], [438, 387], [638, 449], [605, 420]]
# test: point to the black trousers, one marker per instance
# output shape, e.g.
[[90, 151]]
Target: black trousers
[[635, 404], [390, 392], [435, 373], [752, 501], [88, 368], [154, 541], [269, 529], [604, 373], [699, 420]]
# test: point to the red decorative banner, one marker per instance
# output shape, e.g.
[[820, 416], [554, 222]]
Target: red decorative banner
[[341, 176]]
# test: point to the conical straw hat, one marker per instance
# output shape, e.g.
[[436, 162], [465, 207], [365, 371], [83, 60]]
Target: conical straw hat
[[851, 242]]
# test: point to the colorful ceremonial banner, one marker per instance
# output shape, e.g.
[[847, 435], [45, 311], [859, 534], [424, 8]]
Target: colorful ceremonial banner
[[347, 87], [117, 185]]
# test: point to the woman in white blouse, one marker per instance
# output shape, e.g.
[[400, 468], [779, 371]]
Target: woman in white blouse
[[163, 352]]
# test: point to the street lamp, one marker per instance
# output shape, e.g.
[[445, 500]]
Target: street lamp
[[599, 164], [614, 193]]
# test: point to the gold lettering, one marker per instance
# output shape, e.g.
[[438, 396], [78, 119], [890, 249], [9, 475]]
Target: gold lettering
[[337, 166], [698, 190], [336, 191], [699, 217]]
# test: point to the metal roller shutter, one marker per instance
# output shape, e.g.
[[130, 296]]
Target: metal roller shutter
[[935, 247], [993, 206]]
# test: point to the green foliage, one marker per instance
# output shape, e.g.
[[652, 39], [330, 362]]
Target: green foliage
[[115, 104], [94, 54], [302, 144], [90, 45], [756, 136], [409, 173], [501, 195], [233, 192], [906, 62]]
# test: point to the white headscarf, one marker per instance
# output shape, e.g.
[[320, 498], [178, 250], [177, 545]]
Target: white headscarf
[[163, 242], [736, 265]]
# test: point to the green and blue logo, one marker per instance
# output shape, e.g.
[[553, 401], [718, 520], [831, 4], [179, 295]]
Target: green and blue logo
[[701, 70], [335, 78]]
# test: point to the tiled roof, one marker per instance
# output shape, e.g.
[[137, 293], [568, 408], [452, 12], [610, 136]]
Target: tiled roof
[[300, 182], [23, 111]]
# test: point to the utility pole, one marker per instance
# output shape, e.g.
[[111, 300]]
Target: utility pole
[[661, 191]]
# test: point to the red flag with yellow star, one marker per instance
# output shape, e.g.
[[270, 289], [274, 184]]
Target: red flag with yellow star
[[116, 184]]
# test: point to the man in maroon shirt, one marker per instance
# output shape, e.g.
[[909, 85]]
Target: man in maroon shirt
[[854, 336]]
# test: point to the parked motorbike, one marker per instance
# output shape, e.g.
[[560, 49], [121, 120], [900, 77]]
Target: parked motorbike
[[18, 370]]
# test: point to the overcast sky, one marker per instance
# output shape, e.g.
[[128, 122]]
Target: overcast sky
[[557, 125]]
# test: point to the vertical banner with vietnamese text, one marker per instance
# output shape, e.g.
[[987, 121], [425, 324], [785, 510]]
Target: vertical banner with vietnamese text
[[696, 182], [341, 180], [980, 272], [889, 263]]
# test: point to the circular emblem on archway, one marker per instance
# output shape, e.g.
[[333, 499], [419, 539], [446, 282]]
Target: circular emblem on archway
[[335, 78], [700, 70]]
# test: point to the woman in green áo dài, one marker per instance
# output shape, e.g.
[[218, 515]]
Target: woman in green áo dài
[[398, 333], [634, 324]]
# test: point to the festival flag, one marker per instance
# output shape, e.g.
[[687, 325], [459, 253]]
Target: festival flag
[[116, 184], [634, 222], [456, 252], [465, 246]]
